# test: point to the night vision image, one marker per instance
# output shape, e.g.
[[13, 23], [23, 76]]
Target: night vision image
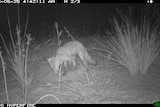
[[85, 53]]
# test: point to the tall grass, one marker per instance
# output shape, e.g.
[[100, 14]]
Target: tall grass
[[134, 46], [17, 54], [4, 75]]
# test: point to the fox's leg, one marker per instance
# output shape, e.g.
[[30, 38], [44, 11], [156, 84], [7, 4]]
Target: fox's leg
[[91, 61], [65, 67], [73, 58], [88, 58], [81, 56]]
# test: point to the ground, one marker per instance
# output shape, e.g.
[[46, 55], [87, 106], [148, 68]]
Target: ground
[[110, 85]]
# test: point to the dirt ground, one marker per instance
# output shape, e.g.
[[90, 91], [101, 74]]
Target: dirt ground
[[108, 84]]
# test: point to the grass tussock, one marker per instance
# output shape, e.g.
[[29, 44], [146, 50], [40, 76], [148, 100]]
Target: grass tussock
[[134, 46], [17, 54]]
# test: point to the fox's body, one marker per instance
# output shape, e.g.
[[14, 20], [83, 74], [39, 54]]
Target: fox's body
[[68, 53]]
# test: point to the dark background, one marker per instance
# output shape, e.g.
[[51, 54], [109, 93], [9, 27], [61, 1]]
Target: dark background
[[85, 15]]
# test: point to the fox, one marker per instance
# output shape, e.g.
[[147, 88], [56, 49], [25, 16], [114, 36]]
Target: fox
[[67, 54]]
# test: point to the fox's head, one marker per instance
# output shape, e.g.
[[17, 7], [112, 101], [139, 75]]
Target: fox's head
[[52, 62]]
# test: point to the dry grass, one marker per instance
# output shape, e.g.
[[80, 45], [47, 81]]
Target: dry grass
[[99, 89], [17, 54], [94, 91], [134, 46], [4, 75]]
